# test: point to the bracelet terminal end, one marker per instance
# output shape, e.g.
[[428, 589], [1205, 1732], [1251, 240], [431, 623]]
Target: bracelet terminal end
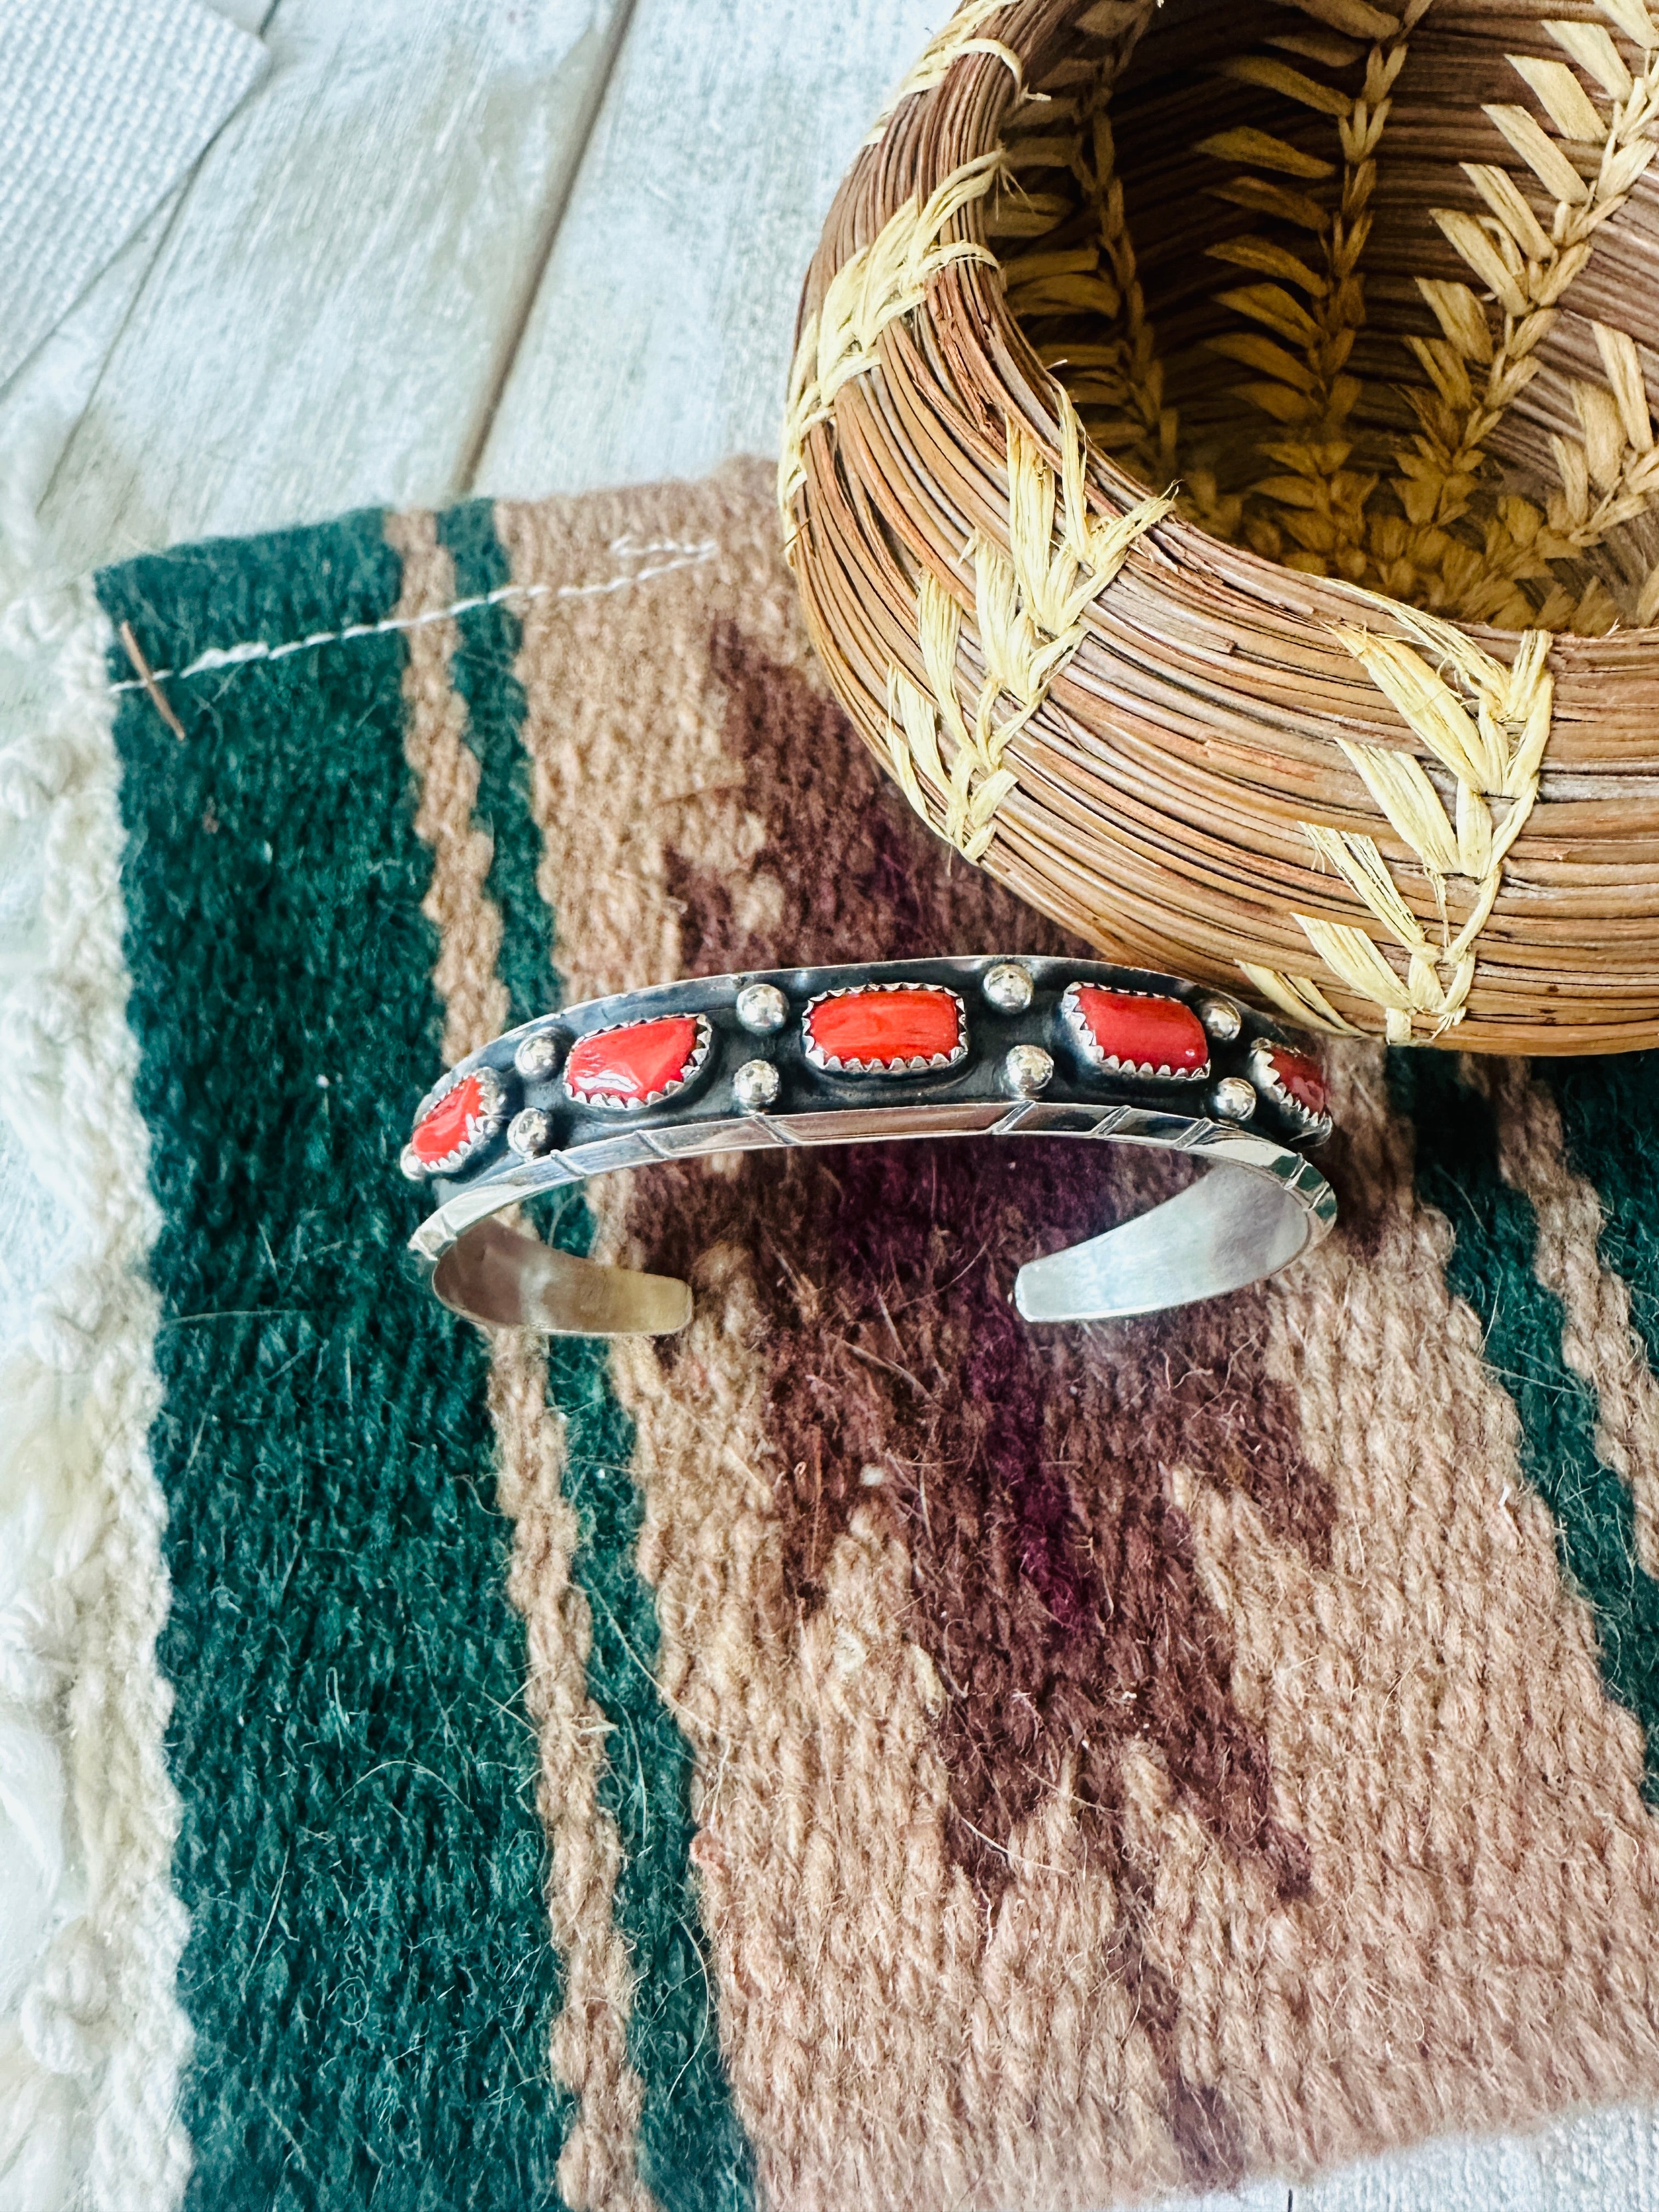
[[496, 1276]]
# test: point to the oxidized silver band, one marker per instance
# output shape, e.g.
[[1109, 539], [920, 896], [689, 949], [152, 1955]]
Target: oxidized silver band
[[997, 1046]]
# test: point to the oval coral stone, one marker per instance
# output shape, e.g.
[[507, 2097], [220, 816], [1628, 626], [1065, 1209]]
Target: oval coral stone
[[1303, 1078], [1141, 1033], [636, 1063], [887, 1029], [449, 1127]]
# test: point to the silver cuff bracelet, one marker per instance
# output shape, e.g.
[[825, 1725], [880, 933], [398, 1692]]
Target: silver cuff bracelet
[[995, 1046]]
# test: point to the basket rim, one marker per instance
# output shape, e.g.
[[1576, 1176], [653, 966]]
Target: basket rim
[[958, 121]]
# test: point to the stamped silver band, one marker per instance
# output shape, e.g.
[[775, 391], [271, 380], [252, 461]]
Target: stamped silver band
[[994, 1046]]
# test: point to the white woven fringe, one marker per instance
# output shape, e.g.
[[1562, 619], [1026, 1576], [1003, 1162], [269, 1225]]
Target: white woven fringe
[[91, 2035]]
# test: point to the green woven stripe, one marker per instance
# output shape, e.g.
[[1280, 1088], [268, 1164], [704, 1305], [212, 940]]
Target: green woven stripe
[[369, 1970], [482, 674], [692, 2151], [1609, 1112], [1492, 1268]]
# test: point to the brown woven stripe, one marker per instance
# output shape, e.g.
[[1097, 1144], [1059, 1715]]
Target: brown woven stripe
[[588, 2049]]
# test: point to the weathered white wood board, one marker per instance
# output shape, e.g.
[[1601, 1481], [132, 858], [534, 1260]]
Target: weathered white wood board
[[1599, 2162], [40, 405], [660, 341], [329, 315], [43, 399], [96, 133]]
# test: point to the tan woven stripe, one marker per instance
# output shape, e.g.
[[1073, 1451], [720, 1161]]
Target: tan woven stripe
[[469, 927], [1597, 1340], [889, 2043], [589, 2044], [624, 741], [1475, 1947], [1472, 1949], [588, 2051], [886, 2045]]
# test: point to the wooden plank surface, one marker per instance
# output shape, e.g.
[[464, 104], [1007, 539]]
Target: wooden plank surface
[[659, 340], [330, 314], [43, 399]]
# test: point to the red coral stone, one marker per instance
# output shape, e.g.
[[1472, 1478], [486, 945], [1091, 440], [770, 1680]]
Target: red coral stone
[[886, 1029], [449, 1126], [1139, 1032], [1303, 1078], [636, 1062]]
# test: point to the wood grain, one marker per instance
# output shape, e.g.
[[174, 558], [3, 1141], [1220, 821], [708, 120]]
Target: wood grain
[[323, 325], [660, 342], [43, 399]]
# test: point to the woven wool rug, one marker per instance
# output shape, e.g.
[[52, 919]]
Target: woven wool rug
[[860, 1752]]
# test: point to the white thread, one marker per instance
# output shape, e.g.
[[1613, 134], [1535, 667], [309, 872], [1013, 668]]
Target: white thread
[[629, 547], [90, 2062], [252, 649]]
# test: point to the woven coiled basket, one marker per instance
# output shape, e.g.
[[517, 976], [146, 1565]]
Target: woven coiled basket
[[1221, 481]]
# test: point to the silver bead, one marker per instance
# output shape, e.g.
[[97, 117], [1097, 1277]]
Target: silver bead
[[1233, 1099], [538, 1058], [1221, 1018], [412, 1164], [1007, 986], [1027, 1069], [530, 1133], [757, 1083], [763, 1010]]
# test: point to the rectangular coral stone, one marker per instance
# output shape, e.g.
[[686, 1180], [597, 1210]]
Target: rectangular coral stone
[[876, 1031], [1138, 1031]]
